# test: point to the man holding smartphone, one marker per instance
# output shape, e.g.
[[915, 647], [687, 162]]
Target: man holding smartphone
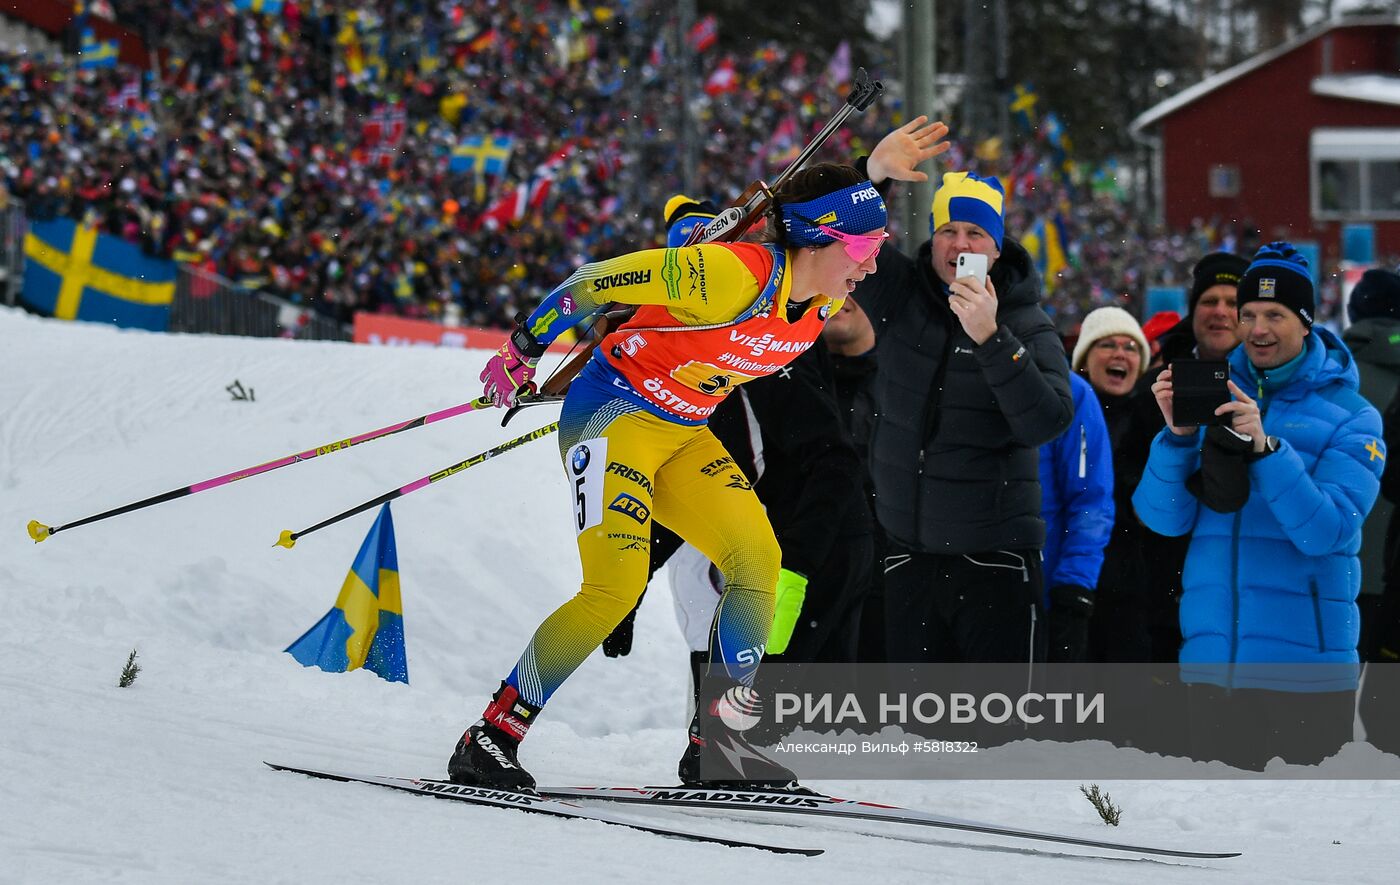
[[1268, 611], [972, 380]]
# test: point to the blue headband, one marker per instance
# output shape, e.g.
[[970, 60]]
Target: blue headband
[[857, 209]]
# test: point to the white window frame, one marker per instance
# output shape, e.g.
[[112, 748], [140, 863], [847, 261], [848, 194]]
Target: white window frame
[[1355, 144]]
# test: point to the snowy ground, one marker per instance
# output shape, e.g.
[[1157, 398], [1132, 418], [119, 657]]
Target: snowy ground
[[163, 782]]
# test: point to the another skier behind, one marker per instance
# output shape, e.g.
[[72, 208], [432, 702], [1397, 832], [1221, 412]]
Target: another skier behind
[[635, 445]]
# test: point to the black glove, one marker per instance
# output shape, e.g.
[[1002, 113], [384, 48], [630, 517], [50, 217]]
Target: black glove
[[1070, 608], [1222, 483], [619, 641]]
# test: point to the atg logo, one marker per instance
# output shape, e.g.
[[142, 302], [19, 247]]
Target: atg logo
[[630, 506], [580, 459]]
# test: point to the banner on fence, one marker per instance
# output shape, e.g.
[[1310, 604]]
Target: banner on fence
[[374, 328]]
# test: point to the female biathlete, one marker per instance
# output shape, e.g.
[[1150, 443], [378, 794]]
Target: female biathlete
[[635, 447]]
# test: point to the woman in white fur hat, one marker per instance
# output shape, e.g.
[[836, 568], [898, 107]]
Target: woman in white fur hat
[[1111, 352]]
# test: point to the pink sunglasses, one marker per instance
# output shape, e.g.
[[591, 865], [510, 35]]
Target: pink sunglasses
[[858, 246]]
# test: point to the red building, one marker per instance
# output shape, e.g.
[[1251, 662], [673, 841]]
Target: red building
[[1297, 141]]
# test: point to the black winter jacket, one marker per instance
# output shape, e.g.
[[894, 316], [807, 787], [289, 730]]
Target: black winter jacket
[[954, 450], [785, 433]]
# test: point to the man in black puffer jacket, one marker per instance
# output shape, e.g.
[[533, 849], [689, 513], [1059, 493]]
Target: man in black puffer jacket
[[972, 380]]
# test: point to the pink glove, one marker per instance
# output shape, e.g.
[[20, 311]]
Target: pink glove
[[508, 371]]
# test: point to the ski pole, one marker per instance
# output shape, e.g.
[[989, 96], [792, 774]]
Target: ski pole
[[38, 531], [289, 537]]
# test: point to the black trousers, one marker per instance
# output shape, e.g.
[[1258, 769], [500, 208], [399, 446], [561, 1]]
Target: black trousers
[[828, 627], [1246, 727], [964, 607]]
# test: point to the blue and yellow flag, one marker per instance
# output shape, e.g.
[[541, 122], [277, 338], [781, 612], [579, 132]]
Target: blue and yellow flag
[[94, 53], [365, 629], [266, 7], [1023, 101], [1046, 243], [482, 154], [74, 273]]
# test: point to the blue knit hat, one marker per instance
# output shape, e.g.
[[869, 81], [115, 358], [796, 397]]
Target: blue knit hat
[[1279, 273], [967, 196]]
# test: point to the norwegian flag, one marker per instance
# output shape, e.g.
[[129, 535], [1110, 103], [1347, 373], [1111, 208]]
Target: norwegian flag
[[383, 155], [704, 33], [724, 79], [126, 99], [386, 125]]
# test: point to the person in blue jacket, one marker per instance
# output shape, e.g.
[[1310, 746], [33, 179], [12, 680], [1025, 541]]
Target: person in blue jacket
[[1268, 611], [1076, 483]]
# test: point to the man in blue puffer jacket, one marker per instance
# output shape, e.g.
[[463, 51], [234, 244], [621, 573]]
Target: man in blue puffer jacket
[[1268, 613]]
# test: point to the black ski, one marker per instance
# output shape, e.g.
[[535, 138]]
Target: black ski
[[847, 809], [528, 802]]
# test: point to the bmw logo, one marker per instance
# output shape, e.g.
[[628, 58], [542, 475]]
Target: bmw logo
[[580, 459]]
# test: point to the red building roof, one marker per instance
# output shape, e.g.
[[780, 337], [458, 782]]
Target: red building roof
[[1262, 142]]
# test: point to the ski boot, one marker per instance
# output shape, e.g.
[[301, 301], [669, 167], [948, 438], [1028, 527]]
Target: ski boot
[[486, 754], [718, 755]]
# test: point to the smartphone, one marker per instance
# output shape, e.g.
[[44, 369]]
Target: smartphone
[[972, 264], [1199, 387]]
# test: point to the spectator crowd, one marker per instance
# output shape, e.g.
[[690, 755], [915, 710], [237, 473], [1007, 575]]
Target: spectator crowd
[[309, 152]]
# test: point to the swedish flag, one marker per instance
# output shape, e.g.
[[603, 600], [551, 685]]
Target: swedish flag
[[266, 7], [1023, 101], [1046, 242], [482, 154], [365, 628], [73, 272], [94, 53]]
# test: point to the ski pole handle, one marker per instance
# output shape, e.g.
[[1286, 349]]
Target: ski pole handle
[[288, 538]]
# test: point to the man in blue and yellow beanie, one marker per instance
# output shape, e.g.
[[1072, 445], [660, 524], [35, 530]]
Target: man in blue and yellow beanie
[[970, 198], [682, 215], [966, 217], [973, 379]]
